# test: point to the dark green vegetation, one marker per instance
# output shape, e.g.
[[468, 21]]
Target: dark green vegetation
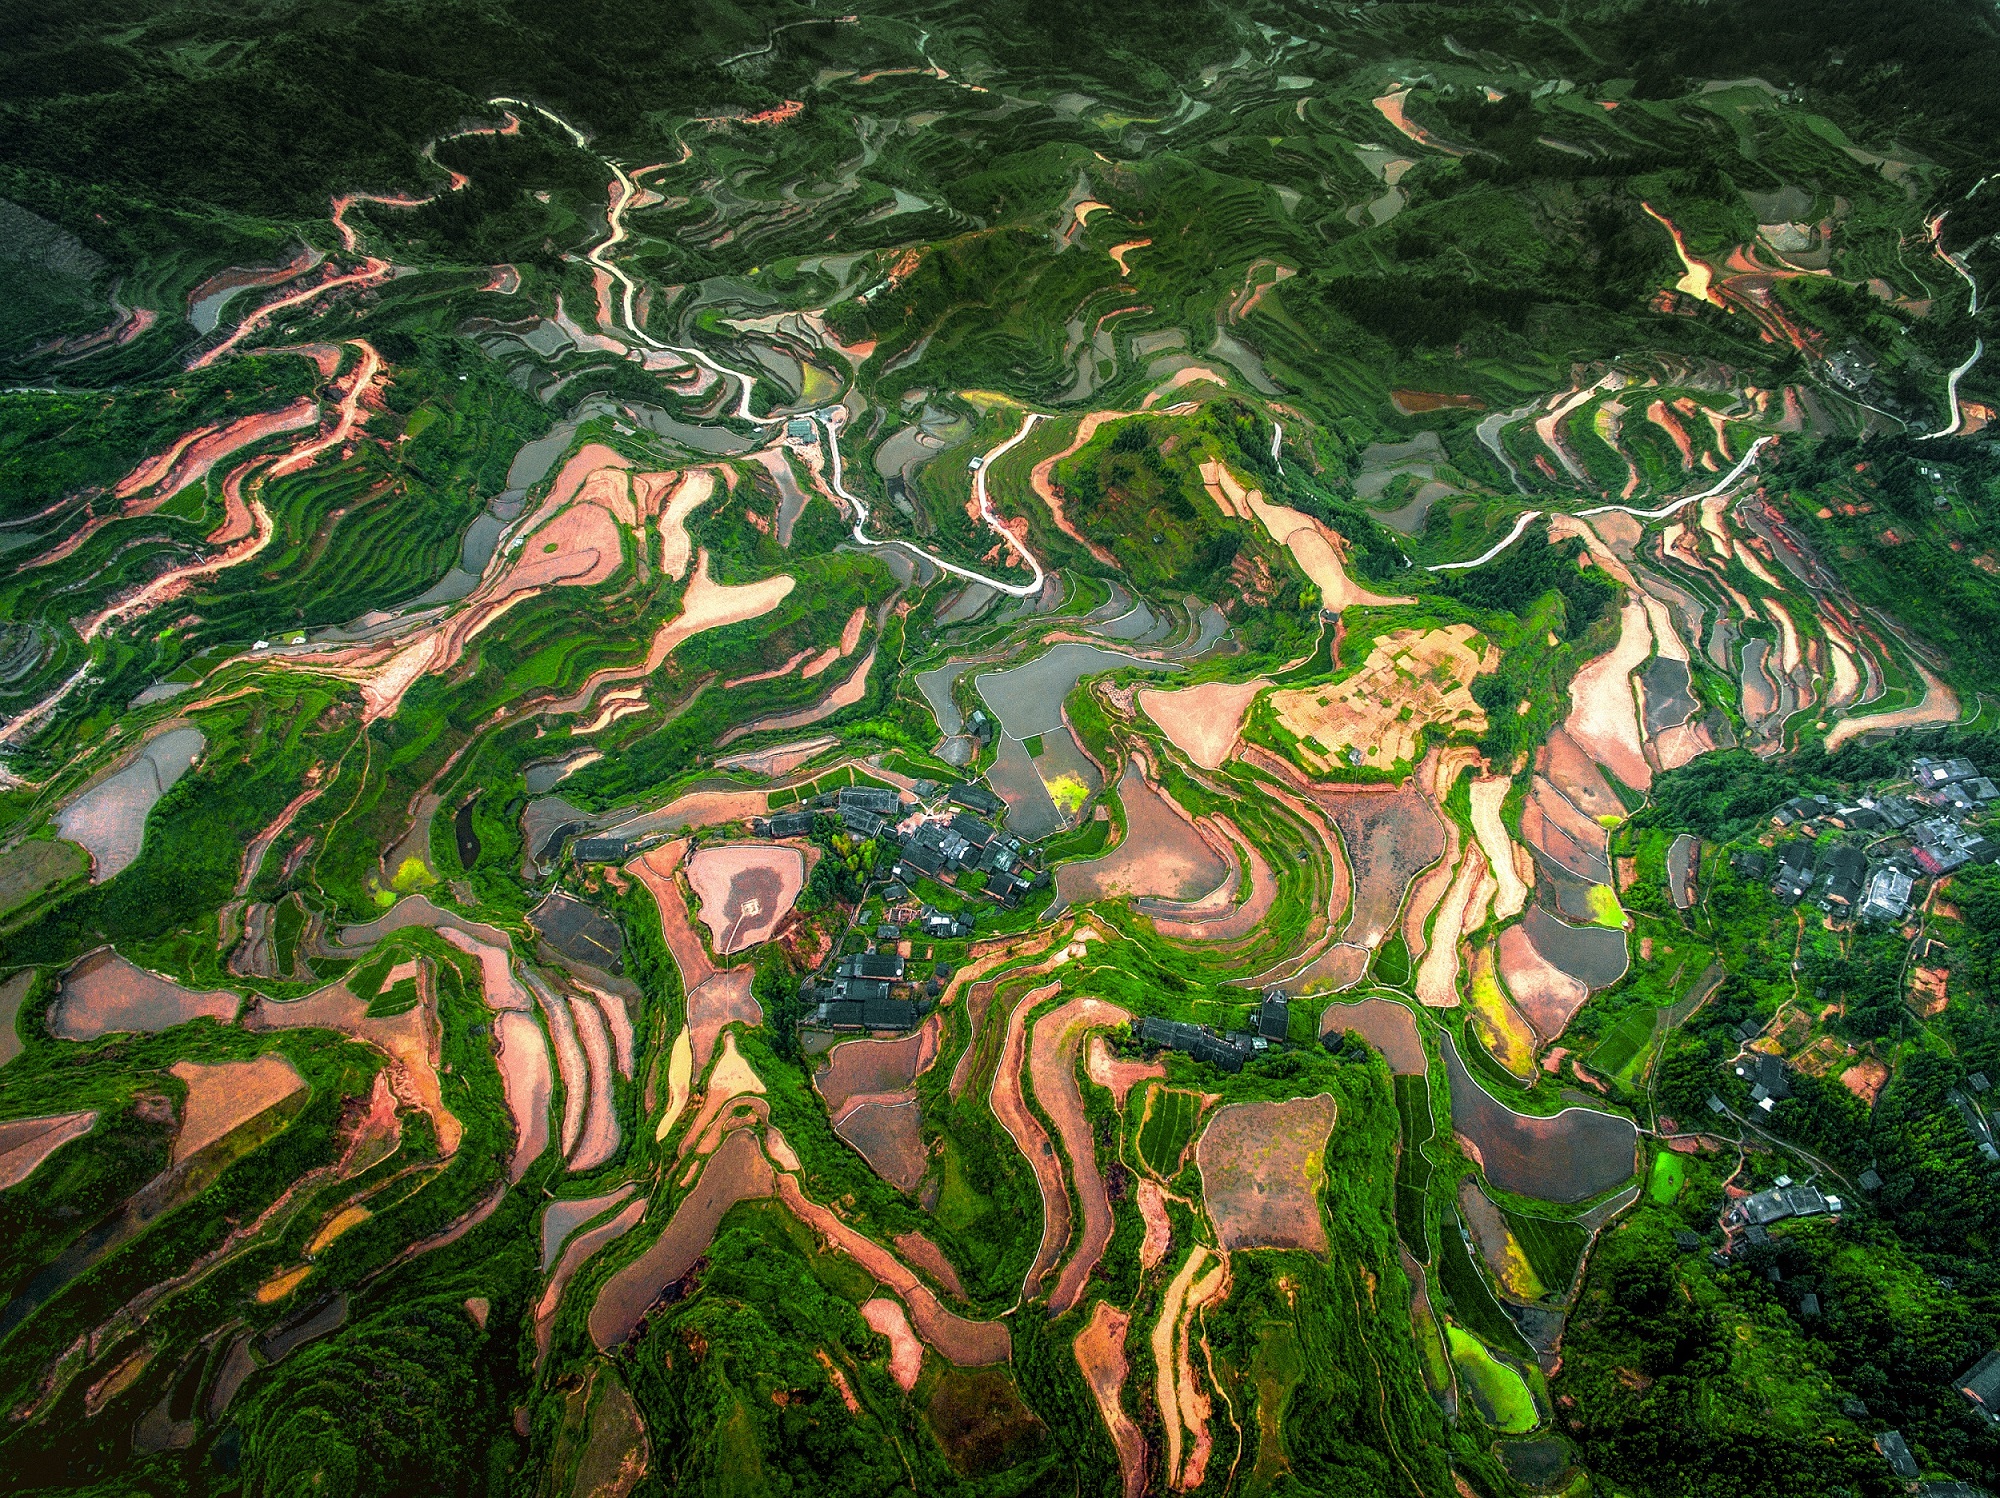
[[413, 401]]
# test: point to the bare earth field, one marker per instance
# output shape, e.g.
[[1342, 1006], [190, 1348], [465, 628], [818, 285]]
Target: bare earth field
[[1161, 855], [1384, 1024], [736, 1172], [222, 1098], [104, 994], [745, 890], [26, 1142], [1202, 722], [1410, 678], [1100, 1356], [1262, 1166], [1052, 1061]]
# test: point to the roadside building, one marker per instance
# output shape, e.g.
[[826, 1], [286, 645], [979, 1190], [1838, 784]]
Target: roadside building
[[1274, 1015]]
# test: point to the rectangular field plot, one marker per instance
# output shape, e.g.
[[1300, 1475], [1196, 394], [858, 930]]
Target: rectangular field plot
[[1166, 1128], [1413, 1171]]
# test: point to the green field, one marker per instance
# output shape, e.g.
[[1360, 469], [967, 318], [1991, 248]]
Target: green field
[[1553, 1248], [1166, 1128], [1413, 1169], [1499, 1392]]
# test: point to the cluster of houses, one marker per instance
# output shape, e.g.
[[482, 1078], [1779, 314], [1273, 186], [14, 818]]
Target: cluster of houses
[[945, 845], [872, 990], [1910, 837], [1229, 1052]]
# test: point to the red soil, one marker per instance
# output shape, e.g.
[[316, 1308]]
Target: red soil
[[745, 890], [906, 1353], [736, 1172], [580, 1248], [1116, 1074], [189, 460], [409, 1040], [599, 1140], [888, 1133], [928, 1257], [856, 1067], [1052, 1068], [1384, 1024], [104, 993], [1159, 1226], [526, 1082], [1100, 1354], [1576, 775], [1162, 855], [1262, 1165], [222, 1098], [26, 1142], [1011, 1108]]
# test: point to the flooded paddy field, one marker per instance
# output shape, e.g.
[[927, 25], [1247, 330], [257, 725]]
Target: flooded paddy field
[[1161, 855], [109, 819], [1028, 699], [1571, 1157]]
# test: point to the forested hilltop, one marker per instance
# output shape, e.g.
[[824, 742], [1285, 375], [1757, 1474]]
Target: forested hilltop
[[1233, 749]]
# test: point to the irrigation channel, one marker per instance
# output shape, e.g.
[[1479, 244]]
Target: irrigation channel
[[616, 235]]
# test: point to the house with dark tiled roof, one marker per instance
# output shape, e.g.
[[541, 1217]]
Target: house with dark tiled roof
[[1980, 1384]]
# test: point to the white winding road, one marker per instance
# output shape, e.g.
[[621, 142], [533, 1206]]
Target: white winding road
[[616, 235]]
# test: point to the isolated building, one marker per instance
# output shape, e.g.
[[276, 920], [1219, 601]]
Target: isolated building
[[1197, 1041], [1274, 1015]]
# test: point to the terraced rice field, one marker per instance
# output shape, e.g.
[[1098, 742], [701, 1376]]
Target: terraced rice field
[[1570, 1157]]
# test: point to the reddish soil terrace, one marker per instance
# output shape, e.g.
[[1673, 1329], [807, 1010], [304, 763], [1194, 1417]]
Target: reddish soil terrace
[[736, 1172], [189, 460], [928, 1257], [104, 993], [1576, 775], [1262, 1166], [1162, 854], [1116, 1074], [527, 1084], [858, 1067], [1202, 722], [745, 890], [1011, 1108], [1052, 1068], [906, 1353], [580, 1248], [714, 999], [1100, 1355], [1570, 1157], [889, 1134], [1159, 1236], [599, 1140], [1385, 1025], [409, 1040], [26, 1142], [222, 1098]]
